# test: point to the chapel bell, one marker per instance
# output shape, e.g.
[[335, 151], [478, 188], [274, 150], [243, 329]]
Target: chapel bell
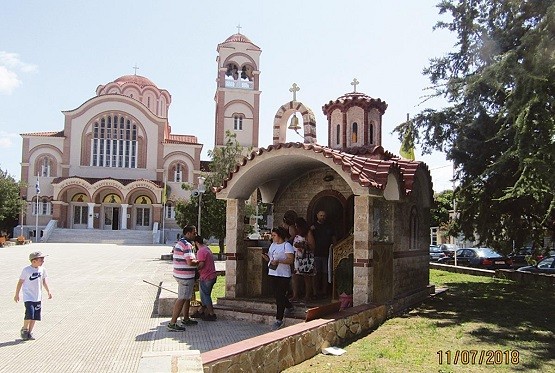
[[294, 123]]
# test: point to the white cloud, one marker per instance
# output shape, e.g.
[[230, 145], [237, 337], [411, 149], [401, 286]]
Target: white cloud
[[10, 65], [8, 81], [6, 139]]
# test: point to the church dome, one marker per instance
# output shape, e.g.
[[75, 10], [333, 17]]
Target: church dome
[[141, 89], [355, 99], [239, 38], [141, 81]]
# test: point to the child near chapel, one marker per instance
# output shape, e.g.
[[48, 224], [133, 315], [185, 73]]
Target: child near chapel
[[31, 281]]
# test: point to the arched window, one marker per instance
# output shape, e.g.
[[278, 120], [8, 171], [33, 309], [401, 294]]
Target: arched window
[[354, 132], [114, 143], [45, 166], [371, 134], [178, 173], [170, 210], [232, 71], [413, 244], [44, 207], [337, 134], [238, 122]]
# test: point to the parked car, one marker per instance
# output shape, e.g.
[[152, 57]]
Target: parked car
[[520, 257], [479, 257], [448, 248], [546, 265], [435, 253]]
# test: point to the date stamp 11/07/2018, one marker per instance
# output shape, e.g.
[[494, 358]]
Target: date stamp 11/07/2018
[[478, 357]]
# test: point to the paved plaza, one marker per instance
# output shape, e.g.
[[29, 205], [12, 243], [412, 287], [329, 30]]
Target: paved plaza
[[102, 316]]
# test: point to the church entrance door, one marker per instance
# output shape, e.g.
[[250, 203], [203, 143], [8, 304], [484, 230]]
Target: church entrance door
[[111, 218]]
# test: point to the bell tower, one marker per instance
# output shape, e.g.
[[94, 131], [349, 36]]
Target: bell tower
[[237, 93]]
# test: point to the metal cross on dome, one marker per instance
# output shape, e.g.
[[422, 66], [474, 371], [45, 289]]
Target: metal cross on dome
[[294, 88], [239, 28], [354, 83], [136, 68]]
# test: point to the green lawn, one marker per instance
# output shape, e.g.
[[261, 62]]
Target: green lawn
[[487, 324]]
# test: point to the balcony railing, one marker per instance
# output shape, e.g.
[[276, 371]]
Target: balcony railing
[[239, 83]]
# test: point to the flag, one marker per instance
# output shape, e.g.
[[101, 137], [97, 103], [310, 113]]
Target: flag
[[407, 145], [37, 185]]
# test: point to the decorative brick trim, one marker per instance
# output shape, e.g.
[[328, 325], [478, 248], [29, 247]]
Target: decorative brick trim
[[363, 263], [234, 256]]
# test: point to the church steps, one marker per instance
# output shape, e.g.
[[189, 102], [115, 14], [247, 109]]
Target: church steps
[[121, 237]]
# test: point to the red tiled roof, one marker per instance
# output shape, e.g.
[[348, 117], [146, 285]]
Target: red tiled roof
[[370, 168], [45, 134], [141, 81], [181, 139], [238, 38], [354, 99], [92, 180]]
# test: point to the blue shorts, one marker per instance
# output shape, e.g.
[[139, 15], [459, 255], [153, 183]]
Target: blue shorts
[[205, 287], [32, 311]]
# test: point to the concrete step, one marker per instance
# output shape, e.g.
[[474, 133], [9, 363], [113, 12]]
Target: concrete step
[[188, 361], [127, 237], [251, 310]]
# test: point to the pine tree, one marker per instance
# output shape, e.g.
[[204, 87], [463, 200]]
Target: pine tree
[[499, 125]]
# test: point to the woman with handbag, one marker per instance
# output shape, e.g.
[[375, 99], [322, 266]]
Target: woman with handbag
[[280, 257], [304, 259]]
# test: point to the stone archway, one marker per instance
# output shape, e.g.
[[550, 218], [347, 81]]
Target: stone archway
[[334, 204], [280, 122]]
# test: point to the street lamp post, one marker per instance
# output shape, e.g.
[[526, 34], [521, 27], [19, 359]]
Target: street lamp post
[[201, 190]]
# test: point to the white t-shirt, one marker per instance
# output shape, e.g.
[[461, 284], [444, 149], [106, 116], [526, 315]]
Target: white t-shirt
[[278, 251], [31, 290]]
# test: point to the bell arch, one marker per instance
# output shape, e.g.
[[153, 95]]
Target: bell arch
[[282, 116]]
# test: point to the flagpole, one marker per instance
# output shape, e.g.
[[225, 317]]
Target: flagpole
[[164, 191], [37, 187]]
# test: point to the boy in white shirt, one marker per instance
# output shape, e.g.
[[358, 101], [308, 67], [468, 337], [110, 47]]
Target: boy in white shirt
[[30, 283]]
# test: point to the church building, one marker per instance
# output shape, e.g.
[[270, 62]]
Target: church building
[[116, 156]]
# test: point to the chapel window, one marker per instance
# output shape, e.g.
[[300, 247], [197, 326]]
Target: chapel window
[[354, 132], [413, 244], [337, 134]]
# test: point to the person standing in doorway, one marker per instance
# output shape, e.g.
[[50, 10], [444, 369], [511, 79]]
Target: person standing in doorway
[[30, 284], [208, 276], [280, 257], [184, 266], [324, 236]]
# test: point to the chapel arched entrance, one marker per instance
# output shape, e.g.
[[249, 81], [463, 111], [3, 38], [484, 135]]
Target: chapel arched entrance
[[335, 206]]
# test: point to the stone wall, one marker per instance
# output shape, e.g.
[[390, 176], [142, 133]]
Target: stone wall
[[278, 350], [301, 191]]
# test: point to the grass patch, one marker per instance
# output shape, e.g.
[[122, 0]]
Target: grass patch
[[476, 313]]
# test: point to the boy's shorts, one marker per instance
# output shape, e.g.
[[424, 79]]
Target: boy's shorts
[[32, 311], [185, 288]]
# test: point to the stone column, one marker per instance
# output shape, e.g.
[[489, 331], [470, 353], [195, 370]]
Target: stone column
[[123, 223], [235, 266], [363, 271], [90, 215]]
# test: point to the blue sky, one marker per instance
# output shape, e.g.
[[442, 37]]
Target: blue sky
[[54, 54]]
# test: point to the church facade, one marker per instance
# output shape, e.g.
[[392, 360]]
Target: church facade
[[117, 165]]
